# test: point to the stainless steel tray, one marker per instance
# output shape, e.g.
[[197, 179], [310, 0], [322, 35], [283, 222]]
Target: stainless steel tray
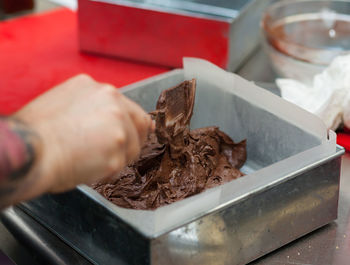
[[162, 32], [291, 187]]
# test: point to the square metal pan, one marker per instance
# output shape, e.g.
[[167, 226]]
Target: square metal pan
[[291, 187], [162, 32]]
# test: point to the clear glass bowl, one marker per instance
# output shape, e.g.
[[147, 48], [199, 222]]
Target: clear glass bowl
[[302, 37]]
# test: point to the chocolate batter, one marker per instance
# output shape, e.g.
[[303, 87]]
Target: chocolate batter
[[176, 163]]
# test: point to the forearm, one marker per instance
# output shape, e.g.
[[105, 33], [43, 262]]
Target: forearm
[[20, 152], [76, 133]]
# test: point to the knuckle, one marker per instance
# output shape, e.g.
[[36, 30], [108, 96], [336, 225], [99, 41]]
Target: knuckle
[[117, 113], [121, 138], [107, 88], [137, 147], [117, 94], [83, 81], [145, 126], [147, 121], [134, 152], [84, 77], [117, 163]]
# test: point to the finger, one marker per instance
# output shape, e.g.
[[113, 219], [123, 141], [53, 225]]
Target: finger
[[140, 118], [109, 178], [78, 85], [152, 126], [133, 144]]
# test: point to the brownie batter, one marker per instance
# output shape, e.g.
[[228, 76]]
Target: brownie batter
[[176, 163]]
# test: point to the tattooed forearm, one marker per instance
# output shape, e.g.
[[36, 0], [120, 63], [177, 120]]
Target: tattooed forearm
[[18, 153]]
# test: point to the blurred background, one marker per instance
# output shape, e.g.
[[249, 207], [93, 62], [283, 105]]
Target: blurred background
[[14, 8]]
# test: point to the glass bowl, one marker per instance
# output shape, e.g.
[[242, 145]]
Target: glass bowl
[[302, 37]]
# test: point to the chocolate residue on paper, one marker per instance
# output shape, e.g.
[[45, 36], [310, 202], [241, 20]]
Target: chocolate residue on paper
[[176, 163]]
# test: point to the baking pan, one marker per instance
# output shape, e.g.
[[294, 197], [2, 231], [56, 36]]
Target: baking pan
[[164, 31], [291, 187]]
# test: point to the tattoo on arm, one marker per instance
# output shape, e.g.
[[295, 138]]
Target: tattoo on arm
[[18, 152]]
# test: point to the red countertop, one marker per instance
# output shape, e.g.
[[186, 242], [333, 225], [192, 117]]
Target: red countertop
[[40, 51]]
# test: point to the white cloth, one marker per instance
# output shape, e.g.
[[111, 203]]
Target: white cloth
[[329, 95]]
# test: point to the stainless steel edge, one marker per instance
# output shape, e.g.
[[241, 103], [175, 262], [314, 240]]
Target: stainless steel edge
[[173, 10], [190, 241], [340, 151], [261, 223], [322, 182], [245, 33]]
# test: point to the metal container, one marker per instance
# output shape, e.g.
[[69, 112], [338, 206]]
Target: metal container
[[291, 187], [163, 32]]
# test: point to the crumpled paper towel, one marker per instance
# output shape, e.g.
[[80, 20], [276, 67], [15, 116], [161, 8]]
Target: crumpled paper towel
[[328, 96]]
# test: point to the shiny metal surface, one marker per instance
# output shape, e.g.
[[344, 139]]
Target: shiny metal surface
[[258, 225], [45, 249], [220, 8], [329, 245], [232, 224], [235, 235], [223, 32]]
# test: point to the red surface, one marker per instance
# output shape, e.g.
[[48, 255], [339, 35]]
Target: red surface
[[38, 52], [151, 36], [343, 139]]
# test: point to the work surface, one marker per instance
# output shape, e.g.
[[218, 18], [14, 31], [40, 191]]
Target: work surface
[[328, 245], [325, 246]]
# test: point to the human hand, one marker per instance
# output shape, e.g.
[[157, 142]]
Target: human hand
[[88, 131]]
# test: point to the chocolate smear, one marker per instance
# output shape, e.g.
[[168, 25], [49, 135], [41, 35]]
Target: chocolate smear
[[175, 162]]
